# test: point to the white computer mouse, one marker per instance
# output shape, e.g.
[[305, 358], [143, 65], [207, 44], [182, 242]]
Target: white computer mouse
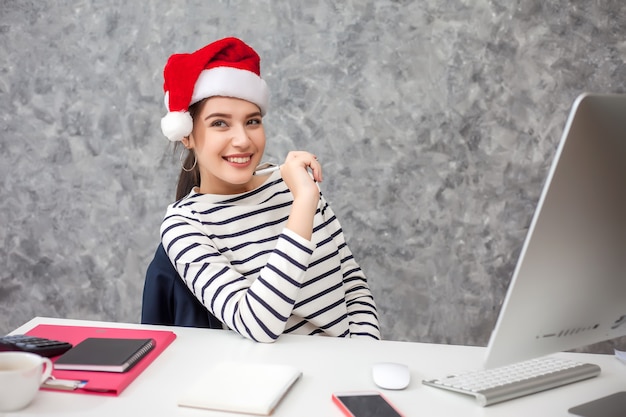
[[391, 375]]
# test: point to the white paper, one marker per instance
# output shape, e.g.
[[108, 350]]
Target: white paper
[[252, 388]]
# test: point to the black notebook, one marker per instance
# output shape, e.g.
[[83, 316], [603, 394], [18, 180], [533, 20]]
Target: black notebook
[[104, 354]]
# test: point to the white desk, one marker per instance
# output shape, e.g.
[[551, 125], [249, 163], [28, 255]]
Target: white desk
[[328, 365]]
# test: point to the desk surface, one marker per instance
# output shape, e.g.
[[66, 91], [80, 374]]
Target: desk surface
[[328, 365]]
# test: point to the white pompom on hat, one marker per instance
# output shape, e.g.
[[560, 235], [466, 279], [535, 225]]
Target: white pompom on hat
[[227, 68]]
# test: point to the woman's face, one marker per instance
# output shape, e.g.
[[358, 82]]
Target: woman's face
[[228, 139]]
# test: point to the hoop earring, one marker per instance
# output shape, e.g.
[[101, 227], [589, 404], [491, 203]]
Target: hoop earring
[[182, 163]]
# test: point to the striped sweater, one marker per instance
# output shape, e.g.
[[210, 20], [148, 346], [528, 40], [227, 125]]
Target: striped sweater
[[261, 279]]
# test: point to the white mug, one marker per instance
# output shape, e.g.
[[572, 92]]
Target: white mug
[[21, 375]]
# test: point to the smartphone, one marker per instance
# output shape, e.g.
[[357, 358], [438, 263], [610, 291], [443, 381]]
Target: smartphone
[[364, 404]]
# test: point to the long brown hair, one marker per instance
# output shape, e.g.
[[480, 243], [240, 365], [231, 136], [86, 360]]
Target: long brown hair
[[189, 179]]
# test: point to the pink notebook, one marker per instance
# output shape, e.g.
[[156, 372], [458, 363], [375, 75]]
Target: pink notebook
[[103, 383]]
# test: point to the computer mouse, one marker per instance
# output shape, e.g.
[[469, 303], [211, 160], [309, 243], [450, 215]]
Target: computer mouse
[[391, 375]]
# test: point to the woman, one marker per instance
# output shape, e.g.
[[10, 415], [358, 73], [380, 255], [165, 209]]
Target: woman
[[263, 253]]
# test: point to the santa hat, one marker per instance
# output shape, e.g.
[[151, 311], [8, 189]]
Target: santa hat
[[227, 67]]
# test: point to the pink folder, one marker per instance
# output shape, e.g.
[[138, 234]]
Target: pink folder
[[103, 383]]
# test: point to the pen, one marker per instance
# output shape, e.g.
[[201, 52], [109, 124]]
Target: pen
[[266, 170]]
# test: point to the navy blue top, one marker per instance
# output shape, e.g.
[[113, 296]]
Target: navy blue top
[[168, 301]]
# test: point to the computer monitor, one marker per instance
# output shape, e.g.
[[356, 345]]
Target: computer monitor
[[568, 289]]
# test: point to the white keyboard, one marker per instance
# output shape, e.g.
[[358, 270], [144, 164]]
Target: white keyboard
[[495, 385]]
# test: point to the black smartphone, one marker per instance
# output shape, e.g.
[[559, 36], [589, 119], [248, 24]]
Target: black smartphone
[[364, 404]]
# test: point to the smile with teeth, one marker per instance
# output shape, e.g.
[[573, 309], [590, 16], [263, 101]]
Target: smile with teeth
[[238, 160]]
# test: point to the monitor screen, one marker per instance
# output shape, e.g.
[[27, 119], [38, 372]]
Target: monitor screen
[[568, 289]]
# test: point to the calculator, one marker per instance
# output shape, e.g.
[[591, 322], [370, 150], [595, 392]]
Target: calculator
[[39, 345]]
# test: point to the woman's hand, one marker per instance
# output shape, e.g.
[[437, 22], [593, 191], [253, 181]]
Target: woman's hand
[[295, 173], [306, 194]]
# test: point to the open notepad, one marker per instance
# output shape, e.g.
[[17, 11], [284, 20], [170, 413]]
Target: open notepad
[[252, 388]]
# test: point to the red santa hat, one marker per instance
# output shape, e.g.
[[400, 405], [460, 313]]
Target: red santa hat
[[227, 68]]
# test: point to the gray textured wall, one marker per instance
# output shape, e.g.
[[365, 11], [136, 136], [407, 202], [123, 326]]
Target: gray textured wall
[[436, 123]]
